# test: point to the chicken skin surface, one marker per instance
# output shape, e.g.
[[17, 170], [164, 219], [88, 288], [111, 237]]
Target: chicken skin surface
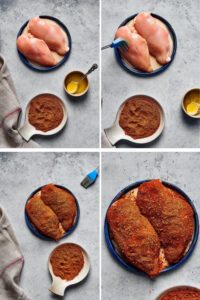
[[137, 53], [157, 37], [44, 218], [62, 203], [134, 235], [170, 215], [49, 32], [35, 50]]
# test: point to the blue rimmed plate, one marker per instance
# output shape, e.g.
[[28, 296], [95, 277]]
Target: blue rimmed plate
[[33, 228], [34, 66], [194, 238], [158, 69]]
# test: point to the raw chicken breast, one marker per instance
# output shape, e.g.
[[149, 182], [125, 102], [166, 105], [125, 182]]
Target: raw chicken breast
[[35, 50], [137, 53], [156, 36], [49, 32]]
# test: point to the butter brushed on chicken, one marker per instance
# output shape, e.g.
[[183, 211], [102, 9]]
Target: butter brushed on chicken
[[137, 53]]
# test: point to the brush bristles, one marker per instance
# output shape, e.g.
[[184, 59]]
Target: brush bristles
[[86, 182]]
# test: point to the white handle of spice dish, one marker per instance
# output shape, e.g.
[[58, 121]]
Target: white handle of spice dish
[[58, 286], [27, 131], [113, 134]]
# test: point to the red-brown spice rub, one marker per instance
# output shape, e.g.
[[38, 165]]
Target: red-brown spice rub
[[134, 235], [45, 112], [182, 295], [67, 261], [62, 203], [140, 118], [44, 218], [170, 215]]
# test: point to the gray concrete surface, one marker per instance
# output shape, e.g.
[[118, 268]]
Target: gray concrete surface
[[121, 169], [81, 18], [22, 173], [168, 87]]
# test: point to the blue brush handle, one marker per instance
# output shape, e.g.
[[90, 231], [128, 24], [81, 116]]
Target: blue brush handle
[[116, 43], [93, 175]]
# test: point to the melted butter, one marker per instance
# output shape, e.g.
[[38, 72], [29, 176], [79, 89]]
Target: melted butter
[[192, 108], [192, 102], [72, 87], [76, 76]]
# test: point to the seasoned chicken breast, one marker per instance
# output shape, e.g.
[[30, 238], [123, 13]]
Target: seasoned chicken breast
[[62, 203], [134, 235], [44, 218], [170, 215]]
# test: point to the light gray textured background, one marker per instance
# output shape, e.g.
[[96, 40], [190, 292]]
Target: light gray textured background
[[122, 169], [168, 87], [82, 19], [22, 173]]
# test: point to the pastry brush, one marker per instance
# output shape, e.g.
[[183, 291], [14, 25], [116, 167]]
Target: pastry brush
[[90, 178], [120, 43]]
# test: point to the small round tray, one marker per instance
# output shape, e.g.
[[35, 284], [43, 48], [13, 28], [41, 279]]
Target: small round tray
[[40, 68], [33, 228], [162, 68], [194, 238]]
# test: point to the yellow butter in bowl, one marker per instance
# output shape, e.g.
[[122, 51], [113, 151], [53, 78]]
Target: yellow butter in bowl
[[72, 87], [192, 108], [191, 103]]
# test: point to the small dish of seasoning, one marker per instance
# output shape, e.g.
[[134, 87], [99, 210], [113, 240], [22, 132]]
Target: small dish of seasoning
[[140, 119], [45, 115], [180, 292], [68, 264], [191, 103], [69, 84]]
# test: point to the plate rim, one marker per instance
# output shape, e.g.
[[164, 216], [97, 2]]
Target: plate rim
[[45, 69], [146, 74], [194, 239], [37, 233]]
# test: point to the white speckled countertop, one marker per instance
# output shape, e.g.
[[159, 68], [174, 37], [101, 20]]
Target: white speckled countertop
[[82, 20], [22, 173], [122, 169], [168, 87]]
